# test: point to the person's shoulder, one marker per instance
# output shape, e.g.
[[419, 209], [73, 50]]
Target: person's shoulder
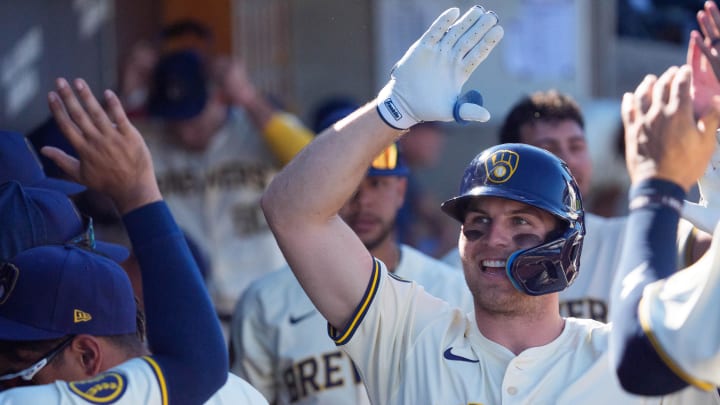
[[272, 282], [237, 391]]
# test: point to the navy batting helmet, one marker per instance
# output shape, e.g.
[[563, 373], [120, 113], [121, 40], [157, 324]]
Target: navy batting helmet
[[532, 176]]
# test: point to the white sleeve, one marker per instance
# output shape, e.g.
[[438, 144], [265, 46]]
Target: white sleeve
[[251, 338], [679, 317], [386, 324]]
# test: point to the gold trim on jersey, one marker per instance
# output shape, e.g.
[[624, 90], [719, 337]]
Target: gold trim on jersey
[[644, 318], [341, 339], [160, 378]]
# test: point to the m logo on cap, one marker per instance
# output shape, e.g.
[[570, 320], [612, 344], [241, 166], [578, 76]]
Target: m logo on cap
[[81, 316], [8, 278], [501, 165]]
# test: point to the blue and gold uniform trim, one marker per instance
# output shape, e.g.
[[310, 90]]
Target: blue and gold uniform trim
[[160, 378], [361, 310], [644, 318]]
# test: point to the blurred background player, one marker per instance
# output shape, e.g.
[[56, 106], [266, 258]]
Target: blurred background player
[[217, 144]]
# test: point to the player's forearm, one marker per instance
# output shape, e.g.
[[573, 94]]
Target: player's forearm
[[179, 313], [648, 255], [324, 175]]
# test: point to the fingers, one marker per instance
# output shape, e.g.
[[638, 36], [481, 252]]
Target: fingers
[[470, 38], [66, 125], [712, 9], [661, 89], [460, 27], [643, 94], [438, 28], [627, 110], [67, 163], [92, 107], [117, 113], [680, 97], [482, 49], [708, 27], [74, 109]]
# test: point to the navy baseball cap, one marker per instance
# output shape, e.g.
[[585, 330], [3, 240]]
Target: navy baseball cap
[[33, 217], [389, 163], [20, 162], [52, 291], [179, 86]]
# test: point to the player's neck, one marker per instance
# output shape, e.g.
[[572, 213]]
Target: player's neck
[[521, 332]]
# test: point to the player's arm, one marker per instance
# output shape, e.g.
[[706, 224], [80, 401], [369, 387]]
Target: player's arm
[[183, 331], [667, 151], [283, 132], [302, 202]]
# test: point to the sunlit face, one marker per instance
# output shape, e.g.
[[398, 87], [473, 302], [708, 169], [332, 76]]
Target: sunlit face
[[493, 229], [566, 140], [372, 210]]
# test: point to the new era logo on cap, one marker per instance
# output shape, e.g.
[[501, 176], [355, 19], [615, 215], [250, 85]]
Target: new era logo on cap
[[81, 316], [46, 287]]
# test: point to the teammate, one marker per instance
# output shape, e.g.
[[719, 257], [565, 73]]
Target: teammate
[[279, 339], [67, 313], [408, 346], [665, 337], [213, 163], [553, 121]]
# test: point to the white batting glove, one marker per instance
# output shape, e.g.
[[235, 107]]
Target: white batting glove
[[706, 214], [425, 84]]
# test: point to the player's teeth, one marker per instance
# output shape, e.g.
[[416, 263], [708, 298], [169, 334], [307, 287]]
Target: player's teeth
[[493, 263]]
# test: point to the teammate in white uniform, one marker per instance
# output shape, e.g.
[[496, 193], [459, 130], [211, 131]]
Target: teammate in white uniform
[[279, 339], [213, 157], [666, 334], [410, 347], [69, 314], [553, 121]]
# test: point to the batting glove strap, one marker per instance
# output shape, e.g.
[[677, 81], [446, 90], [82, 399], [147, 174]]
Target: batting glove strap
[[392, 110]]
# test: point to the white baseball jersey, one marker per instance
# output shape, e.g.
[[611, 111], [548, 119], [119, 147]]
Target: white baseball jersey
[[215, 197], [679, 317], [281, 344], [134, 382], [589, 295], [412, 348]]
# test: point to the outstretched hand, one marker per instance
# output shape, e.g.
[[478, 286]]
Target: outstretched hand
[[113, 157], [425, 84], [663, 139]]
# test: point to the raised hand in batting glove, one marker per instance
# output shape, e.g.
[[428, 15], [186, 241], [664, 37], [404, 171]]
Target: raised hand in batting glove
[[425, 84], [706, 214]]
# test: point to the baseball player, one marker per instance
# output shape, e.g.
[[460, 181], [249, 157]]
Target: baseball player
[[665, 337], [553, 121], [213, 164], [278, 337], [68, 314], [522, 226]]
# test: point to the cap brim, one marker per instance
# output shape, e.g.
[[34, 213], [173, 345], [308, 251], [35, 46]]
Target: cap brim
[[13, 330], [117, 253], [63, 186]]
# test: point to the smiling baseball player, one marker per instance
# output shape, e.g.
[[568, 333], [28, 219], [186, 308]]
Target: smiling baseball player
[[521, 243]]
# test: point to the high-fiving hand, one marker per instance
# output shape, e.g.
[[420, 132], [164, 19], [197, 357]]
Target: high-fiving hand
[[425, 84]]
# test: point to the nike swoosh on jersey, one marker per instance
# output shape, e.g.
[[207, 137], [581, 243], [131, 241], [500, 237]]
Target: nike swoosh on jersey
[[294, 319], [450, 356]]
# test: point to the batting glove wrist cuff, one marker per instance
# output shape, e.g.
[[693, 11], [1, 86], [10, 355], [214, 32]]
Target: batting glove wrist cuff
[[392, 110]]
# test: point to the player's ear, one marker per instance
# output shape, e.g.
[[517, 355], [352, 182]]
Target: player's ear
[[88, 354]]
